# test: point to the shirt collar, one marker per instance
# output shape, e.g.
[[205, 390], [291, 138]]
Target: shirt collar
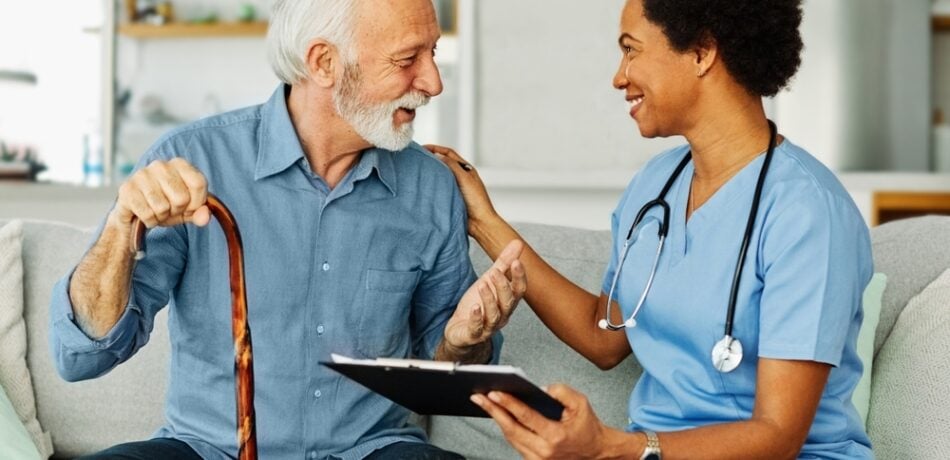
[[377, 160], [280, 147]]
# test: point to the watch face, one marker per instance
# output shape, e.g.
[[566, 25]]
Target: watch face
[[652, 457]]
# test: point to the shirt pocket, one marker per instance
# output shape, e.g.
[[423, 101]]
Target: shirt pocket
[[384, 317]]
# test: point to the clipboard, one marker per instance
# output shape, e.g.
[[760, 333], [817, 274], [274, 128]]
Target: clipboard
[[443, 388]]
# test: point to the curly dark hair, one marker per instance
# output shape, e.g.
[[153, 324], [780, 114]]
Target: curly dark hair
[[758, 40]]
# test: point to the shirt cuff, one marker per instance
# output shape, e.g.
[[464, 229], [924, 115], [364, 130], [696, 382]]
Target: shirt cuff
[[74, 339], [497, 340]]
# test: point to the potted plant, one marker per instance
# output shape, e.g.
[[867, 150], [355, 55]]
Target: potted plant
[[19, 163]]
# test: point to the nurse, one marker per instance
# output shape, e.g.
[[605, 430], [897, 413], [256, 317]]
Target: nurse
[[699, 69]]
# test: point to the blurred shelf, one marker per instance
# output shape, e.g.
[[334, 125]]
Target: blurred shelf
[[895, 205], [941, 23], [189, 30]]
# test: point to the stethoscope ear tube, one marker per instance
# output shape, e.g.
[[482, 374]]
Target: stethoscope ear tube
[[664, 226]]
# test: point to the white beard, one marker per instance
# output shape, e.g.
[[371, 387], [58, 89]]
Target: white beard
[[374, 122]]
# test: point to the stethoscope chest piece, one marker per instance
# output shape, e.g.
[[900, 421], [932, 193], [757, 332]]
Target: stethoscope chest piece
[[727, 354]]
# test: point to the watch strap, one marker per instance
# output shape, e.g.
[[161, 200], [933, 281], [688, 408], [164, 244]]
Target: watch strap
[[652, 449]]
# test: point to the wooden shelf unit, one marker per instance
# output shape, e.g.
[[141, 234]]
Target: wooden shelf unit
[[888, 206], [189, 30], [941, 23]]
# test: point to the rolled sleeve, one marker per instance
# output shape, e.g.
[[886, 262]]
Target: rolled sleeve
[[78, 356]]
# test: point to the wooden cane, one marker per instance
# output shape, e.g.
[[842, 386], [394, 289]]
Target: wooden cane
[[243, 357]]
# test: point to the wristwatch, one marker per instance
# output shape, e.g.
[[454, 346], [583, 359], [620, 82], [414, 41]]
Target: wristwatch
[[652, 450]]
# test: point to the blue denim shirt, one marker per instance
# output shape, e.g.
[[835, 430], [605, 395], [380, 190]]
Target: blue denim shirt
[[373, 267]]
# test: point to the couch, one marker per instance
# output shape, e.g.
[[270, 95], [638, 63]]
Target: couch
[[910, 391]]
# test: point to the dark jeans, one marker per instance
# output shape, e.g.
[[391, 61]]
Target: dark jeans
[[161, 448], [171, 449], [412, 451]]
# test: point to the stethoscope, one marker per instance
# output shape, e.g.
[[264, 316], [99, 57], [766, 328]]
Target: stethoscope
[[727, 353]]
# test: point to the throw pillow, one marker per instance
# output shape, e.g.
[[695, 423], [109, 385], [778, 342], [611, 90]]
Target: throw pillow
[[872, 313], [14, 374], [909, 406], [15, 441]]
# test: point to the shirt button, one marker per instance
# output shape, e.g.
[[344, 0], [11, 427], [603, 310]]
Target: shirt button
[[320, 329], [326, 266], [317, 394], [312, 454]]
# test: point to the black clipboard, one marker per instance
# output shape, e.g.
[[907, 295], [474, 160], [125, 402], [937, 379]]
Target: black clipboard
[[441, 388]]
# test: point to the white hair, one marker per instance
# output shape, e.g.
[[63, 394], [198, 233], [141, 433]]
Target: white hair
[[296, 23]]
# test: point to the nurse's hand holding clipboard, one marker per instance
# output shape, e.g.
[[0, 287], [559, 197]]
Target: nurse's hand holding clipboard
[[579, 434]]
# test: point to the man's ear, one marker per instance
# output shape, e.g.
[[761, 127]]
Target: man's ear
[[322, 62]]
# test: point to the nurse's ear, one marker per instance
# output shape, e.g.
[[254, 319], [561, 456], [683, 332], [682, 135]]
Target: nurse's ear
[[705, 54]]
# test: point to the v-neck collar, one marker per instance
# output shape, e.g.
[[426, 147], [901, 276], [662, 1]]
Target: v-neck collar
[[742, 184]]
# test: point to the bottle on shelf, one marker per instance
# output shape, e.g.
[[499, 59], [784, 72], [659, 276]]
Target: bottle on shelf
[[93, 166]]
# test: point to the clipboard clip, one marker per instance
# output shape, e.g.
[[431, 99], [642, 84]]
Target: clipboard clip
[[455, 366]]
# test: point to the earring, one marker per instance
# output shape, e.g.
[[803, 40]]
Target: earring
[[701, 73]]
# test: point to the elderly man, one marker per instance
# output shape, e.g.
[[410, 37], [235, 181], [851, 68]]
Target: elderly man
[[355, 243]]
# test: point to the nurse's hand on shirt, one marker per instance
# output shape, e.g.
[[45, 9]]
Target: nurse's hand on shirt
[[473, 190], [489, 303], [579, 433], [163, 194]]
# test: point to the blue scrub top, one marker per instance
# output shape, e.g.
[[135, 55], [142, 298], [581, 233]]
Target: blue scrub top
[[808, 263]]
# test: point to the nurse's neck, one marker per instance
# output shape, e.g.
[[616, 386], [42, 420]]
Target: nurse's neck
[[731, 134], [725, 142]]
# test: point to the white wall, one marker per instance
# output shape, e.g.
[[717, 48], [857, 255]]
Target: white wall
[[192, 78], [543, 88], [197, 77], [862, 99]]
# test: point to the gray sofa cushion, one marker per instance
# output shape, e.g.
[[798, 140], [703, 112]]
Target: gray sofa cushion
[[581, 255], [912, 253], [124, 405]]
